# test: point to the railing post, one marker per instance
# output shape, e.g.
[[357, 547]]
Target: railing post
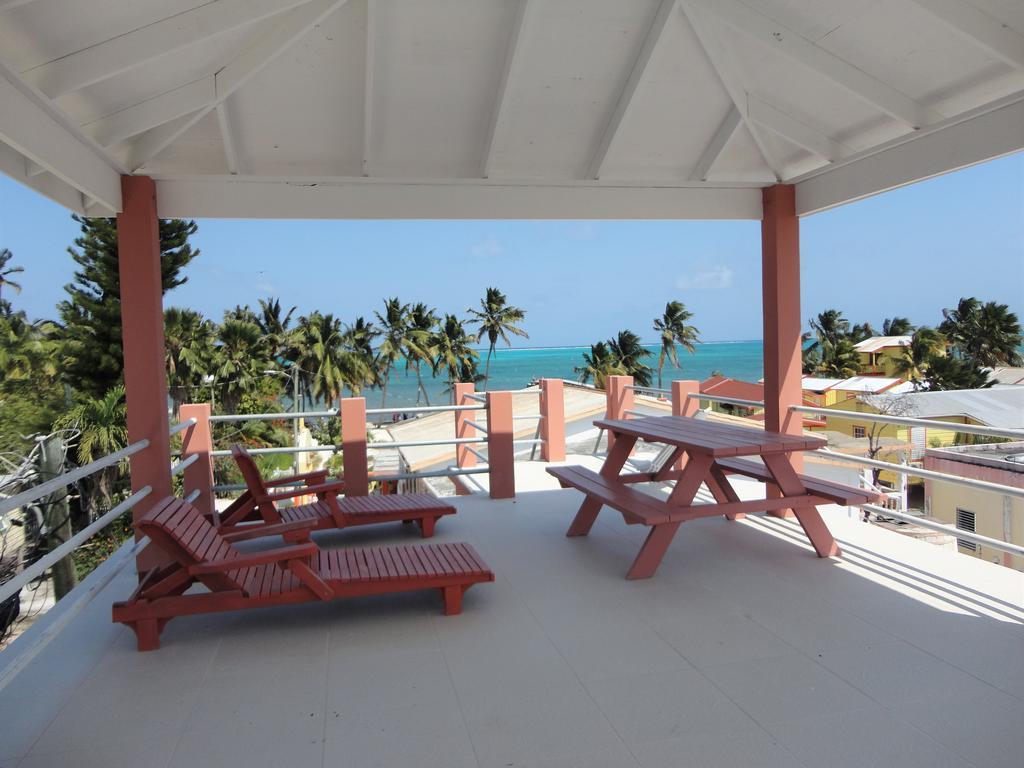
[[684, 405], [197, 440], [463, 457], [552, 420], [142, 335], [500, 453], [619, 398], [353, 446]]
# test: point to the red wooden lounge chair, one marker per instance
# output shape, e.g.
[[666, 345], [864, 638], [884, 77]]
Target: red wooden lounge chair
[[298, 573], [328, 511]]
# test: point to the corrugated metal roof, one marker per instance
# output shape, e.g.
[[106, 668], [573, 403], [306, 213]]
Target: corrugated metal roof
[[875, 343], [816, 384], [1000, 407], [867, 384]]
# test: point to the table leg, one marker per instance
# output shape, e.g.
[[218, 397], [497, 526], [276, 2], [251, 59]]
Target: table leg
[[695, 473], [807, 514], [613, 464], [653, 550], [722, 490]]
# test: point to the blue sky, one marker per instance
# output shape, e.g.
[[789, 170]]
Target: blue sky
[[910, 252]]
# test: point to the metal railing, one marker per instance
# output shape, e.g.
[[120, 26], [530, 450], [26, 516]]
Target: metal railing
[[176, 428], [273, 416], [656, 390], [726, 400], [977, 538]]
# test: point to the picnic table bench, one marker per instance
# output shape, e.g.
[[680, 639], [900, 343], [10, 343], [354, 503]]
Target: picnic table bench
[[708, 453]]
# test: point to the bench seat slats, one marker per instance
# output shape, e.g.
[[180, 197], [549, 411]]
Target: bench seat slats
[[631, 503]]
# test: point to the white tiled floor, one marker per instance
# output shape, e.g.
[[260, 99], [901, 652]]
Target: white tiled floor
[[744, 650]]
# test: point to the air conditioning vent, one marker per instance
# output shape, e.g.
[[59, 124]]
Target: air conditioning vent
[[965, 522]]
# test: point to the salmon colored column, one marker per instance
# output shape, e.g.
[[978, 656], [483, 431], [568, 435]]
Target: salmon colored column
[[142, 322], [780, 290], [500, 453], [197, 440], [353, 446], [619, 398], [684, 405], [552, 420]]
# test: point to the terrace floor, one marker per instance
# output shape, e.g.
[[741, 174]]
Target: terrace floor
[[744, 650]]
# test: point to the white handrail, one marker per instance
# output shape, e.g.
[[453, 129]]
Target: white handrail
[[969, 429], [476, 426], [726, 400], [181, 466], [433, 473], [424, 409], [650, 389], [927, 474], [39, 567], [192, 496], [176, 428], [274, 416], [56, 483], [475, 452], [1003, 546], [474, 396]]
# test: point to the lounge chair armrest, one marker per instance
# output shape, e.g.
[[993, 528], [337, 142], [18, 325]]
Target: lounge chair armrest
[[317, 477], [325, 489], [257, 531], [282, 554]]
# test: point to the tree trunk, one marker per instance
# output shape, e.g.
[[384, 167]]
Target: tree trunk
[[487, 366], [384, 388], [419, 383], [57, 517]]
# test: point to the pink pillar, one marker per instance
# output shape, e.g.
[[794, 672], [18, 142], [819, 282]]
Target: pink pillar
[[683, 405], [197, 440], [463, 457], [500, 455], [552, 420], [619, 398], [780, 288], [142, 321], [353, 446]]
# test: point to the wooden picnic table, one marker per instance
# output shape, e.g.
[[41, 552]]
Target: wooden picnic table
[[704, 452]]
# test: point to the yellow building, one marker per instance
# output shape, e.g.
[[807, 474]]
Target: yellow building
[[998, 516], [879, 354]]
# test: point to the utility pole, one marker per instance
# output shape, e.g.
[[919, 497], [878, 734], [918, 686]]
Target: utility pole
[[57, 515]]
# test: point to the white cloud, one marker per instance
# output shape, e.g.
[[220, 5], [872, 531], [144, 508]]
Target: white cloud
[[489, 246], [712, 279]]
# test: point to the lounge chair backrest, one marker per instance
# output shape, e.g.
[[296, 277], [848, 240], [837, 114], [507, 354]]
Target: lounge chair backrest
[[250, 472], [186, 535]]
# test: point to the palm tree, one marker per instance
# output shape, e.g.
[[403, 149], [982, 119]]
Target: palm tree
[[998, 339], [395, 332], [673, 330], [832, 351], [599, 364], [830, 326], [101, 425], [840, 360], [453, 352], [497, 319], [358, 341], [916, 357], [277, 330], [6, 272], [422, 322], [630, 353], [897, 326], [325, 366], [239, 360], [189, 352], [947, 372]]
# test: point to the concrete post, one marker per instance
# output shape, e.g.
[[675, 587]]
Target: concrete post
[[619, 400], [197, 440], [142, 323], [552, 420], [500, 450], [684, 405], [780, 288], [463, 457], [353, 446]]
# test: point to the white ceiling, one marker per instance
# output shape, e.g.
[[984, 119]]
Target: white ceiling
[[504, 108]]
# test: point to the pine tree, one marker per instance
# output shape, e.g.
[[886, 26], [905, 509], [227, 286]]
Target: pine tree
[[94, 358]]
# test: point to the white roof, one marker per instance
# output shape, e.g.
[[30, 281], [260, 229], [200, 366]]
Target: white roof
[[876, 343], [867, 383], [816, 384], [502, 109], [1007, 376], [998, 407]]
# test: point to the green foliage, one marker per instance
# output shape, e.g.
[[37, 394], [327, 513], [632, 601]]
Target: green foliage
[[984, 334], [623, 355], [598, 365], [673, 328], [91, 315], [496, 319], [453, 352]]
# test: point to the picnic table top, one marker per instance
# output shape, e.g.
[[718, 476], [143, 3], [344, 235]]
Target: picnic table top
[[708, 437]]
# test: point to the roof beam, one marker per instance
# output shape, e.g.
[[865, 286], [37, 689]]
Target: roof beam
[[267, 47], [6, 5], [975, 137], [796, 131], [369, 54], [30, 129], [980, 28], [787, 42], [148, 114], [227, 138], [716, 145], [13, 164], [727, 74], [133, 49], [636, 74], [511, 57]]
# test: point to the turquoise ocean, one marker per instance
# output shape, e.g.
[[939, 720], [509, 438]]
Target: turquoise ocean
[[515, 368]]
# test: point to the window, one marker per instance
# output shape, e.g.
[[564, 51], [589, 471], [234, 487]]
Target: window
[[965, 522], [860, 432]]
